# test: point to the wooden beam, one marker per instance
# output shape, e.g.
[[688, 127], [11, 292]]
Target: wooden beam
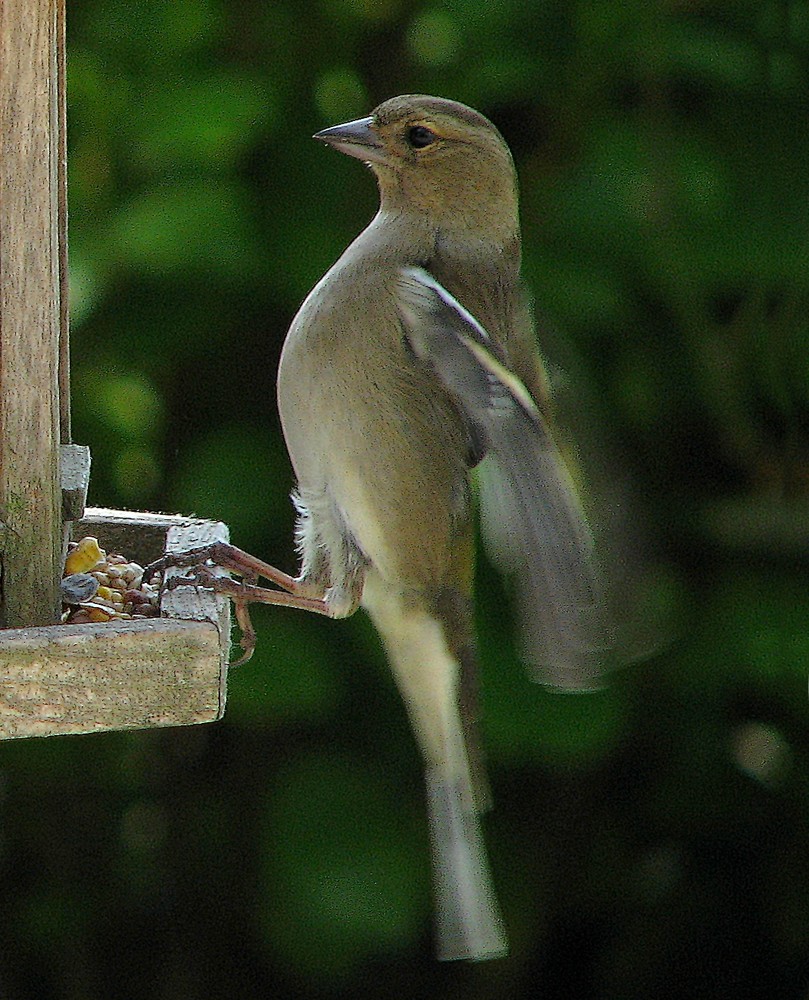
[[30, 499], [114, 675]]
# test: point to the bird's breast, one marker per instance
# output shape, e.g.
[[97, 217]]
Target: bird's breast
[[369, 425]]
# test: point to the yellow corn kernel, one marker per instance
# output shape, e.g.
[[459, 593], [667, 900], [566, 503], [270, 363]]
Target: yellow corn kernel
[[86, 555], [99, 614]]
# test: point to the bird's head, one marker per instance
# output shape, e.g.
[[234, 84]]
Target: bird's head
[[435, 157]]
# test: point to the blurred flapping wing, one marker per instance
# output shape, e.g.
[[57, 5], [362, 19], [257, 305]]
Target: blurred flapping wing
[[531, 520]]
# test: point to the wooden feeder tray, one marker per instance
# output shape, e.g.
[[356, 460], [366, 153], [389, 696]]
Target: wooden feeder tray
[[122, 674]]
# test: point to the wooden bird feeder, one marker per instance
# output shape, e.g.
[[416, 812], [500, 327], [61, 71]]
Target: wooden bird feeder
[[55, 678]]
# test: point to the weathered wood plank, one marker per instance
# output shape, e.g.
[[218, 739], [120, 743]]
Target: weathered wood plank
[[191, 603], [115, 675], [74, 476], [29, 312]]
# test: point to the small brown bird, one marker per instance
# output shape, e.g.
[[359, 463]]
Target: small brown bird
[[410, 363]]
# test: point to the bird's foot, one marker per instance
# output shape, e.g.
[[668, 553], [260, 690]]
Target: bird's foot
[[203, 560]]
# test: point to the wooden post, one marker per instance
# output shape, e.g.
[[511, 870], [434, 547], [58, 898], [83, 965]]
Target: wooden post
[[30, 306]]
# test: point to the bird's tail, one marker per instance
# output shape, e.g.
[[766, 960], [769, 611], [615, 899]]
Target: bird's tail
[[468, 921], [429, 658]]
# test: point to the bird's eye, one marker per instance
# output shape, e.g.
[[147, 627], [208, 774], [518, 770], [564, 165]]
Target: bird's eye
[[418, 136]]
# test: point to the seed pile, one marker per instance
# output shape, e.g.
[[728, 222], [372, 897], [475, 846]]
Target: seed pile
[[98, 587]]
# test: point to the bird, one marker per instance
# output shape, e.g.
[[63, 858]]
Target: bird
[[409, 362], [409, 383]]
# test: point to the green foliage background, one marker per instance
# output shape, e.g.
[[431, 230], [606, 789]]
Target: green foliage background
[[650, 839]]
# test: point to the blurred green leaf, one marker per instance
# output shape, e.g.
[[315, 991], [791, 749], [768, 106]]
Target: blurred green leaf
[[291, 677], [231, 474], [340, 845], [199, 226], [198, 123]]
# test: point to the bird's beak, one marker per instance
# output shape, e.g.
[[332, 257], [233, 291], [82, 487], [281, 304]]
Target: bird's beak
[[357, 138]]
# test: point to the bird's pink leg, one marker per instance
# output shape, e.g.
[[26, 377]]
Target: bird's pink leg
[[295, 593]]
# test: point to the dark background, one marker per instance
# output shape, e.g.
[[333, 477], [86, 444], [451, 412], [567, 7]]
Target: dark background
[[650, 839]]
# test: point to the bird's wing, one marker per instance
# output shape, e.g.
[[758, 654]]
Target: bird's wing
[[532, 522]]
